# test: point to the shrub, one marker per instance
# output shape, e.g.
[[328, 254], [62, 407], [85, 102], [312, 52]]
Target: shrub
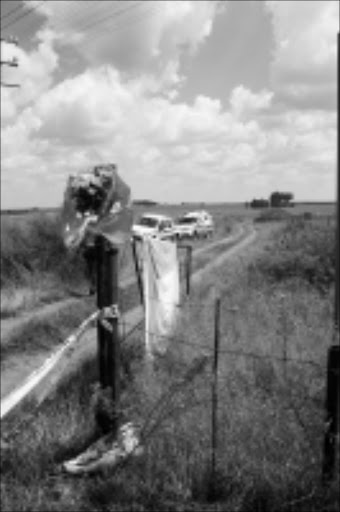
[[33, 246], [272, 215], [304, 250]]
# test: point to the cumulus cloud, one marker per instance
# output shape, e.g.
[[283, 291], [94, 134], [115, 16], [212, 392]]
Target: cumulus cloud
[[100, 115], [167, 148], [131, 35], [245, 102], [303, 70]]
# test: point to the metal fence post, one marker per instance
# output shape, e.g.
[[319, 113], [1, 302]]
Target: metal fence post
[[214, 408], [188, 268], [331, 439], [137, 269]]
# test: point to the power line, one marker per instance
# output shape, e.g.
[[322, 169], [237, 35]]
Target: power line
[[100, 21], [27, 13], [109, 15], [114, 15], [73, 9], [11, 12], [117, 28], [74, 13]]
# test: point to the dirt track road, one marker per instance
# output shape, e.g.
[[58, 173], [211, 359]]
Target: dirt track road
[[10, 325], [14, 374]]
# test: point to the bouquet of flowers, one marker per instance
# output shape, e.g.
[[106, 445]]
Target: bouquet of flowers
[[96, 202]]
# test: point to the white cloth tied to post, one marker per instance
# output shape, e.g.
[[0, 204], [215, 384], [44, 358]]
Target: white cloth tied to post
[[161, 292]]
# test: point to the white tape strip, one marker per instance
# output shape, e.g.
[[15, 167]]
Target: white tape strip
[[16, 396]]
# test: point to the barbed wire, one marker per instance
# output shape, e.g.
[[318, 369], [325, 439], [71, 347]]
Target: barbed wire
[[208, 350], [165, 408], [234, 352], [185, 342], [225, 381], [161, 404], [185, 301]]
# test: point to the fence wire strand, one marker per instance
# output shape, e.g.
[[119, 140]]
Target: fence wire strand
[[234, 352]]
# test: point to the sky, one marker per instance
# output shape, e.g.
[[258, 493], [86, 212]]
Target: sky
[[214, 101]]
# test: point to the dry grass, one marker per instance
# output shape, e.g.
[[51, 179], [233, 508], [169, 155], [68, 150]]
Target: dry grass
[[270, 427], [270, 421], [38, 335]]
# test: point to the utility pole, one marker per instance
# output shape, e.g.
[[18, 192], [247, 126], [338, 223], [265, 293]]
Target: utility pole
[[11, 63], [10, 40]]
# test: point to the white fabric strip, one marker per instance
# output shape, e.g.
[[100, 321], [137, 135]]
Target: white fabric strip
[[161, 292], [16, 396]]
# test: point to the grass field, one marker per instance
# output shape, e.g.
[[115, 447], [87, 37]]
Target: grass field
[[36, 268], [270, 415]]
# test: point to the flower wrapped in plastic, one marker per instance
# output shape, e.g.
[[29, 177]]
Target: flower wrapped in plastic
[[96, 202]]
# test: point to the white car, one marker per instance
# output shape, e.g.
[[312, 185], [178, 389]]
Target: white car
[[152, 224], [186, 227], [194, 224]]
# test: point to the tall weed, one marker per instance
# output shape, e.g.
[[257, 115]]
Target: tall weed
[[32, 247], [303, 250]]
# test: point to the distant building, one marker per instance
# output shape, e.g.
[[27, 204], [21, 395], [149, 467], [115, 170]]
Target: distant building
[[259, 203], [281, 199], [145, 202]]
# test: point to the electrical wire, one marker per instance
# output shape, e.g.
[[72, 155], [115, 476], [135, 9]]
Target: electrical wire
[[115, 14], [11, 12], [27, 13], [101, 21], [73, 14], [73, 9], [116, 28]]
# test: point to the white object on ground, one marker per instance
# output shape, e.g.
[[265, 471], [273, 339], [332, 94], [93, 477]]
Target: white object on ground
[[106, 452]]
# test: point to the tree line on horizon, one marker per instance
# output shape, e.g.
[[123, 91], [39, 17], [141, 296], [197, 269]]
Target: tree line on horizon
[[276, 200]]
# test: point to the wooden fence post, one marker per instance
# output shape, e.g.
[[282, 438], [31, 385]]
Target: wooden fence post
[[107, 331], [331, 439]]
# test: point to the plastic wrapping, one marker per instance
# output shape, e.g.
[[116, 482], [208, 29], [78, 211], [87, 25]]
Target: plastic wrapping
[[96, 202]]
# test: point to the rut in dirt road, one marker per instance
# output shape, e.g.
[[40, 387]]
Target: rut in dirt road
[[10, 325], [12, 375]]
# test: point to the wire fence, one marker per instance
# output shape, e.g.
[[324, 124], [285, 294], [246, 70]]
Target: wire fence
[[227, 351], [298, 395], [206, 348], [230, 381]]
